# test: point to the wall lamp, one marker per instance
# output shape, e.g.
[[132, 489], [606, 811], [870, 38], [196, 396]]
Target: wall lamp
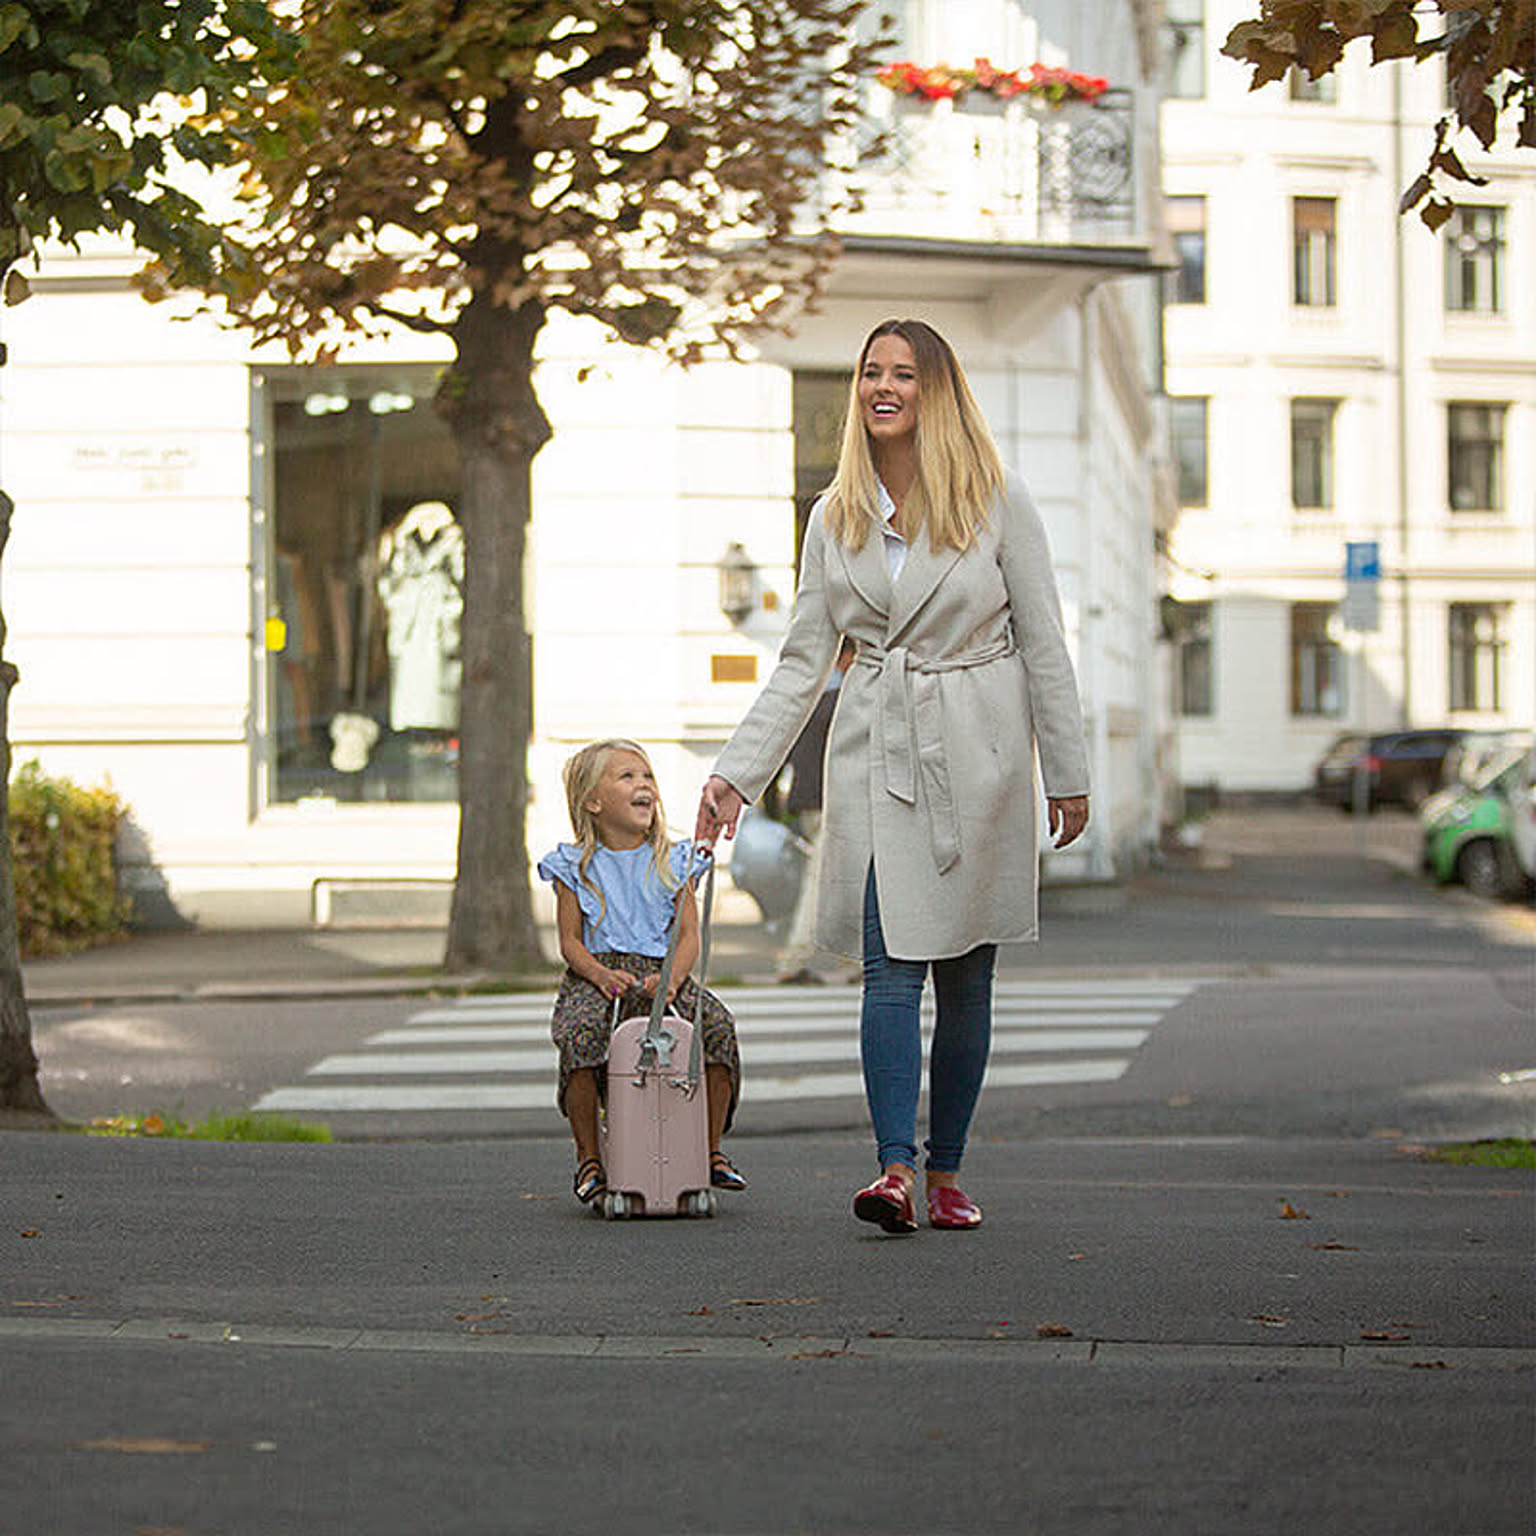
[[738, 583]]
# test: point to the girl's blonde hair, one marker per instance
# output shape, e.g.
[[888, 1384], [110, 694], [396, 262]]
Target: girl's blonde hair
[[959, 470], [582, 773]]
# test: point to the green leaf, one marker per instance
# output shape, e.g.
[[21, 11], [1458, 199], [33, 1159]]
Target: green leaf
[[95, 65], [13, 123]]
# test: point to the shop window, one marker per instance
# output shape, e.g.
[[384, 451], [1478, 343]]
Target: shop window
[[1474, 261], [1475, 456], [364, 590], [1317, 663], [1312, 453], [1476, 635], [1315, 250]]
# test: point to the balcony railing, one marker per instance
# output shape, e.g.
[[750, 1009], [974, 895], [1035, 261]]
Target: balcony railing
[[993, 172]]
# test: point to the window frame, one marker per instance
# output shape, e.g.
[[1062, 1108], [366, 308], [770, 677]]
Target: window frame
[[1315, 253], [1317, 664], [1475, 663], [1203, 499], [1327, 413], [1460, 271], [1462, 454]]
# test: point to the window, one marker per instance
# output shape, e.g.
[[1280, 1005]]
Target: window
[[1474, 261], [1476, 636], [1475, 456], [1188, 420], [1317, 668], [1304, 88], [1312, 452], [1197, 693], [1184, 47], [1314, 247], [1186, 226], [364, 586]]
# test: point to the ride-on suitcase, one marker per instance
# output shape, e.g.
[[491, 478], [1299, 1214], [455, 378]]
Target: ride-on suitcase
[[656, 1118]]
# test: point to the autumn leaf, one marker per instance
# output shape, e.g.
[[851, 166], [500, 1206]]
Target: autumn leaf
[[1289, 1212], [1333, 1247], [144, 1446], [1053, 1331], [774, 1301]]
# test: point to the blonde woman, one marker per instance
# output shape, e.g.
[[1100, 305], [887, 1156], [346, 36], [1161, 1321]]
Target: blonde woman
[[618, 889], [932, 559]]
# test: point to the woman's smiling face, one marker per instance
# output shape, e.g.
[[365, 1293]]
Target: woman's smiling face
[[888, 390]]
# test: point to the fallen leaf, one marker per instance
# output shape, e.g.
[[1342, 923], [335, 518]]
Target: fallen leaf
[[1074, 1257], [1334, 1247], [144, 1446], [31, 1232], [1053, 1331], [1289, 1212], [774, 1301], [1428, 1365], [881, 1333], [1381, 1336], [1270, 1320], [701, 1312], [822, 1354]]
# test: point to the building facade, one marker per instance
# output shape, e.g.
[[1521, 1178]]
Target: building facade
[[233, 584], [1340, 376]]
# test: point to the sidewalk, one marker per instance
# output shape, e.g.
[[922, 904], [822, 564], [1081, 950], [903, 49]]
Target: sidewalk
[[1320, 855]]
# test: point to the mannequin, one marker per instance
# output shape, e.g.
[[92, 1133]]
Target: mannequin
[[421, 584]]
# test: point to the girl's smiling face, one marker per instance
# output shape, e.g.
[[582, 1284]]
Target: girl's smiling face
[[625, 802], [888, 390]]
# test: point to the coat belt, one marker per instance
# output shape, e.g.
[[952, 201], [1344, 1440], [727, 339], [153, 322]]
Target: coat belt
[[911, 731]]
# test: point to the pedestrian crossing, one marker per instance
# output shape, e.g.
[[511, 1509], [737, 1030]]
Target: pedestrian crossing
[[493, 1052]]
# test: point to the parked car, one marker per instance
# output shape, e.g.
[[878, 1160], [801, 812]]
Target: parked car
[[1400, 767], [1471, 834]]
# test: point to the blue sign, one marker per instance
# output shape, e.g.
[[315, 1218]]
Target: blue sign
[[1362, 562]]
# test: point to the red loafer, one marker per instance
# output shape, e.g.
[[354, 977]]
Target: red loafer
[[952, 1209], [888, 1203]]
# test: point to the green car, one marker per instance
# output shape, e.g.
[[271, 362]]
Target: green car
[[1468, 828]]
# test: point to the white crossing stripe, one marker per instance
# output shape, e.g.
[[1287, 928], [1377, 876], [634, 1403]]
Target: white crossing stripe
[[494, 1053]]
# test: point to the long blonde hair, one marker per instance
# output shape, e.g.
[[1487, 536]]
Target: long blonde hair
[[959, 470], [582, 773]]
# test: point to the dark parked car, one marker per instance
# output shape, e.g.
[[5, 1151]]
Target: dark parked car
[[1400, 767]]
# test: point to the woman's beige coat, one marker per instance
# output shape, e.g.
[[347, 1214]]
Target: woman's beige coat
[[962, 675]]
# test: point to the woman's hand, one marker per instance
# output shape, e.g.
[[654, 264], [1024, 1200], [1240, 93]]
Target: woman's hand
[[719, 810], [1067, 816]]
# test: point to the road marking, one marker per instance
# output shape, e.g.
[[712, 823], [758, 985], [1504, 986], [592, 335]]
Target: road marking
[[493, 1053]]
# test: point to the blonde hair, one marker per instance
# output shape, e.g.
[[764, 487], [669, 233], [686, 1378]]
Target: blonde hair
[[959, 470], [582, 773]]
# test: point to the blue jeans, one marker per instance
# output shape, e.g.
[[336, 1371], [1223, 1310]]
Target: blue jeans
[[891, 1045]]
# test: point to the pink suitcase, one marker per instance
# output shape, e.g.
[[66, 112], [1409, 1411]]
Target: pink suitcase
[[656, 1119], [656, 1150]]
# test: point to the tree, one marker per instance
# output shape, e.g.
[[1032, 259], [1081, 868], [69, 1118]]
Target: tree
[[89, 141], [1490, 61], [465, 167]]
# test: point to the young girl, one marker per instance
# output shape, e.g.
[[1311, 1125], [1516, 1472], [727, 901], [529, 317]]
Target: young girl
[[618, 888]]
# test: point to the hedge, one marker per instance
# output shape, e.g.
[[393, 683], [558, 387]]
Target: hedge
[[62, 839]]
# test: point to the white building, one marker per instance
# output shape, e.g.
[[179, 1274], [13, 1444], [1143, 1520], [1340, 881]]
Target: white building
[[1339, 375], [231, 584]]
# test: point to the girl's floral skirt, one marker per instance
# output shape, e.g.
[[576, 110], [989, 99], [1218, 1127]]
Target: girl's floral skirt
[[583, 1021]]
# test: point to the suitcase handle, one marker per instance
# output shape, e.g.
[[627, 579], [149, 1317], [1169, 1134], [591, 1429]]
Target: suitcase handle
[[656, 1044]]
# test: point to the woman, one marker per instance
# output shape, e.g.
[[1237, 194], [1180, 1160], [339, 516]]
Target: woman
[[931, 558]]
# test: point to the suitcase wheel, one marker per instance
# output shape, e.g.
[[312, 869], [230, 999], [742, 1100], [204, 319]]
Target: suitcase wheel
[[699, 1202], [617, 1205]]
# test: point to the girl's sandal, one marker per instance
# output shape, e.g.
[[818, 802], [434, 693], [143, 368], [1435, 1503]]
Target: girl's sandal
[[590, 1183]]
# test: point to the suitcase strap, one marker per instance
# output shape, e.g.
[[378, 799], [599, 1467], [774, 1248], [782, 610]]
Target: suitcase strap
[[657, 1041]]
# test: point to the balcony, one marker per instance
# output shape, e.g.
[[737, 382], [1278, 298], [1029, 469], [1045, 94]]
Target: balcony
[[986, 172]]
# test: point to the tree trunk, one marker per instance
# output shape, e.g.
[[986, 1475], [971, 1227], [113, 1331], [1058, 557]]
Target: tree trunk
[[19, 1090], [490, 406]]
